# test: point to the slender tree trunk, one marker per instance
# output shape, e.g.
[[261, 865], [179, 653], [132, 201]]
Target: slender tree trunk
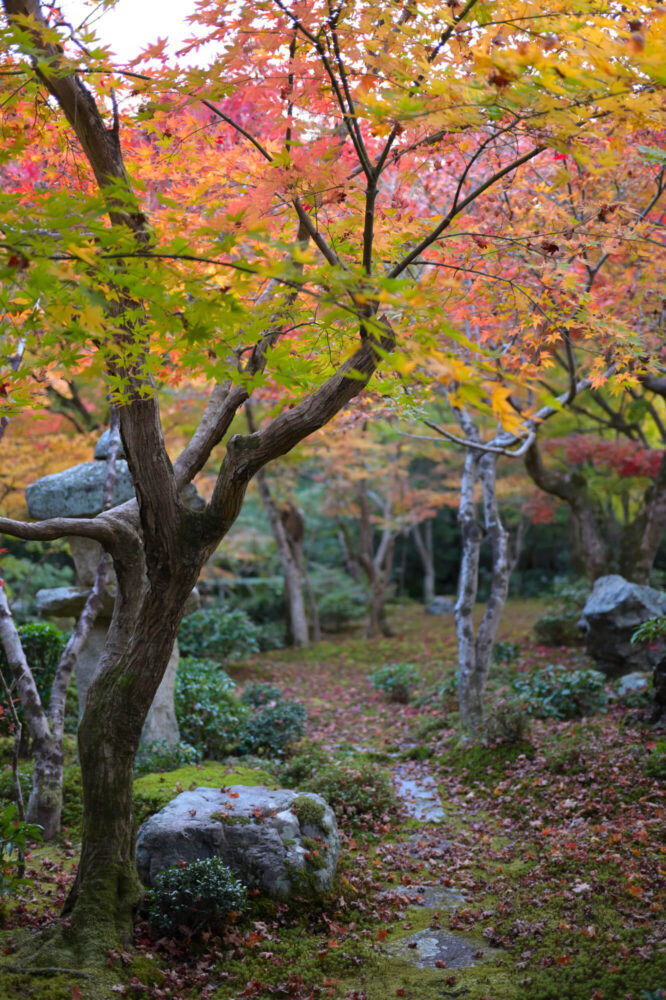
[[422, 535], [377, 565], [474, 652]]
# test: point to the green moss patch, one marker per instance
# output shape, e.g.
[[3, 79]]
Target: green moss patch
[[153, 791]]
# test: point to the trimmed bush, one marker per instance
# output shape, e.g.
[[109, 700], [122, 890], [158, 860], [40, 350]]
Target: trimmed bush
[[557, 693], [163, 756], [396, 680], [196, 896], [210, 717], [43, 644], [260, 693], [274, 728], [218, 634], [559, 626]]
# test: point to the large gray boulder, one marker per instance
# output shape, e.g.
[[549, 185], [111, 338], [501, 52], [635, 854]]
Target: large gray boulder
[[441, 606], [282, 842], [77, 492], [612, 613]]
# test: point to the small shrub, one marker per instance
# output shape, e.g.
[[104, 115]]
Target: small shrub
[[210, 717], [559, 626], [196, 896], [505, 652], [270, 635], [508, 722], [340, 600], [14, 836], [274, 728], [218, 634], [163, 756], [557, 693], [359, 793], [654, 628], [656, 762], [43, 644], [260, 693], [396, 680]]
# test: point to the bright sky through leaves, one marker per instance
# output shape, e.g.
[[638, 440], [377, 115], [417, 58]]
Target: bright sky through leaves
[[128, 27]]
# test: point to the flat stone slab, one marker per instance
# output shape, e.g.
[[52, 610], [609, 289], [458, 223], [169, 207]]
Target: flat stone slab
[[431, 897], [419, 795], [425, 948]]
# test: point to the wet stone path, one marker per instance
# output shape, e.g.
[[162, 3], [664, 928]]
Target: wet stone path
[[419, 795]]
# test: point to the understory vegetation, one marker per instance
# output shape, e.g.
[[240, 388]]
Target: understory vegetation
[[551, 850]]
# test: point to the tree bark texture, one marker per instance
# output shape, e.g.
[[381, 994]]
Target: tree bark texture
[[475, 649], [422, 535], [606, 545]]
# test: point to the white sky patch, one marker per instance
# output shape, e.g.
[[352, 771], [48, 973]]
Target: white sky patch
[[131, 25]]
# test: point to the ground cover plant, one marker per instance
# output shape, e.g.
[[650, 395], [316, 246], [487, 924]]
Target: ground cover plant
[[553, 836]]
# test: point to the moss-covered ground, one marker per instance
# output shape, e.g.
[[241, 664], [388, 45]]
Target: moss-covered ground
[[555, 839]]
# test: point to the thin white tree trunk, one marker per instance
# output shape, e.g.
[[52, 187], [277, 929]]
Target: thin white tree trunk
[[422, 535]]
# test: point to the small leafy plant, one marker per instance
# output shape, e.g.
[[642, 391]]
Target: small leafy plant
[[396, 680], [220, 634], [260, 693], [505, 652], [274, 728], [197, 896], [210, 717], [163, 756], [649, 631], [557, 693], [14, 837]]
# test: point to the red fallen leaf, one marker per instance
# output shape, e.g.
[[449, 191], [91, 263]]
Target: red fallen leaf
[[440, 964], [76, 993], [563, 959], [381, 934], [330, 982], [450, 980], [233, 795], [400, 992]]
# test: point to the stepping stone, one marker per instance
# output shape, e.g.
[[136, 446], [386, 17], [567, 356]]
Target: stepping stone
[[419, 795], [433, 897], [425, 948]]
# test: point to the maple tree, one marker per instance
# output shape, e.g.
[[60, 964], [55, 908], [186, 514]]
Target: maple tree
[[282, 251]]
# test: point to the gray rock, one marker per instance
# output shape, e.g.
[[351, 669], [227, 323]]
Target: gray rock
[[68, 602], [425, 948], [632, 683], [77, 492], [612, 612], [440, 606], [161, 722], [431, 897], [101, 451], [282, 842]]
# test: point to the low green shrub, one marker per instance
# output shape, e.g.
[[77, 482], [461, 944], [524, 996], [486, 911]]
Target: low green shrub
[[14, 837], [396, 680], [196, 896], [43, 644], [210, 717], [259, 693], [220, 634], [559, 625], [656, 762], [360, 793], [507, 722], [654, 628], [273, 728], [340, 599], [505, 652], [163, 756], [554, 692], [271, 635]]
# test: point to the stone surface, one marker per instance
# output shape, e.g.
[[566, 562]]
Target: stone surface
[[68, 602], [161, 722], [631, 683], [432, 897], [419, 795], [425, 948], [77, 492], [440, 606], [255, 830], [612, 612], [101, 452]]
